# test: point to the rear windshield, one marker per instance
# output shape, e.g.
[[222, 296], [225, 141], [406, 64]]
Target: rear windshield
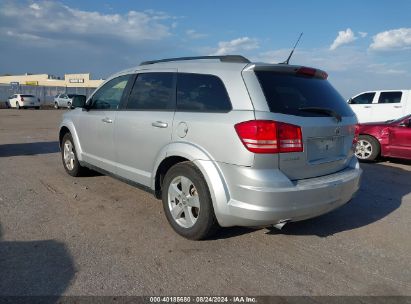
[[27, 95], [288, 94]]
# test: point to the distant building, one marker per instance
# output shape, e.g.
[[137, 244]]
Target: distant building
[[70, 80]]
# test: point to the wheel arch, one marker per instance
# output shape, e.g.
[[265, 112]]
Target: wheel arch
[[179, 152], [68, 127]]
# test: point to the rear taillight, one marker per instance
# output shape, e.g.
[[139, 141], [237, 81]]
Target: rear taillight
[[356, 136], [267, 136], [21, 98]]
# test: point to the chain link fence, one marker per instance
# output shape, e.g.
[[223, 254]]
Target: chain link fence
[[45, 93]]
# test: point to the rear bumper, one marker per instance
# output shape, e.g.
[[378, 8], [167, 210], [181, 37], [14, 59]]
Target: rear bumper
[[29, 104], [260, 197]]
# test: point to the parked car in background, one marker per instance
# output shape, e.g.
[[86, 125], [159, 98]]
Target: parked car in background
[[222, 141], [389, 139], [64, 100], [375, 106], [24, 101]]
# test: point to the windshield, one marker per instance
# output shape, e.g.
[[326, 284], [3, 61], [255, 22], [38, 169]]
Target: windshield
[[291, 94], [399, 119]]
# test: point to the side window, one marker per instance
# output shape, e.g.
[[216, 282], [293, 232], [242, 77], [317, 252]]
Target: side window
[[365, 98], [201, 93], [152, 91], [390, 97], [108, 97]]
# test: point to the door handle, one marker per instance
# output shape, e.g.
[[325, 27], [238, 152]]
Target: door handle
[[367, 107], [398, 107], [107, 120], [159, 124]]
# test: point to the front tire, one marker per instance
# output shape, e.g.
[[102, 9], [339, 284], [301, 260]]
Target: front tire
[[368, 148], [187, 202], [18, 105], [69, 156], [56, 105]]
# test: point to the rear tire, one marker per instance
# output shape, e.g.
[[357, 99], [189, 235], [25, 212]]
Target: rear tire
[[185, 191], [18, 105], [69, 157], [37, 108], [69, 105], [368, 148]]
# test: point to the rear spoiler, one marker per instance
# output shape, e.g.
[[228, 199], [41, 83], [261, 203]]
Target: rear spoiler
[[288, 69]]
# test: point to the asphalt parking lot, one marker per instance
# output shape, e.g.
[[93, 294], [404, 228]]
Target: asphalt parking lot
[[98, 236]]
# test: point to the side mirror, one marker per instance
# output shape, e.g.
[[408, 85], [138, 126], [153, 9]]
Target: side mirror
[[349, 101], [78, 101], [405, 123]]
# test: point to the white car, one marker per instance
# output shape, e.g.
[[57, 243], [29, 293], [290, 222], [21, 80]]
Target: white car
[[63, 100], [376, 106], [24, 101]]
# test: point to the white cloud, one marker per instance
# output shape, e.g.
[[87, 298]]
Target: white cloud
[[344, 37], [35, 6], [193, 34], [363, 34], [392, 40], [50, 19], [236, 45], [386, 69]]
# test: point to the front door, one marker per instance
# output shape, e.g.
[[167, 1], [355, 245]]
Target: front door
[[400, 140], [97, 124], [362, 105]]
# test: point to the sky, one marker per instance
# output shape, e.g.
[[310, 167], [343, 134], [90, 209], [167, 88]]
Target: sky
[[363, 45]]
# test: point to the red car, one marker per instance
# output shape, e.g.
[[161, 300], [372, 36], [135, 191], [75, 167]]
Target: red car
[[391, 139]]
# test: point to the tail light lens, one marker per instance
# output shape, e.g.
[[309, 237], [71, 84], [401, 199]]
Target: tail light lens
[[21, 98], [356, 136], [267, 136]]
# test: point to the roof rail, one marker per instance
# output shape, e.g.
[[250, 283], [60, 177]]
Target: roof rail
[[225, 58]]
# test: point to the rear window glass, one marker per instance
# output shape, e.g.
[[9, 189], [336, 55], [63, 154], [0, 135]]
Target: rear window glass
[[287, 94], [152, 91], [27, 95], [201, 93], [390, 97]]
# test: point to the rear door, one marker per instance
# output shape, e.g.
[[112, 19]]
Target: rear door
[[390, 105], [144, 124], [363, 106], [327, 138], [96, 129]]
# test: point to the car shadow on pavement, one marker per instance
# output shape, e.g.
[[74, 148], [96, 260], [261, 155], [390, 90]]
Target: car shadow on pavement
[[373, 202], [33, 148], [35, 268]]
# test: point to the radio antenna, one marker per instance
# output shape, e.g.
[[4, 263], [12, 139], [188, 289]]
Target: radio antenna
[[292, 51]]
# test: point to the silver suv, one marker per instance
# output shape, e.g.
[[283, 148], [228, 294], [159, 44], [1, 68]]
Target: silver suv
[[222, 141]]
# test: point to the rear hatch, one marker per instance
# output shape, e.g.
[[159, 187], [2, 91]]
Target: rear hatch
[[303, 97], [31, 99]]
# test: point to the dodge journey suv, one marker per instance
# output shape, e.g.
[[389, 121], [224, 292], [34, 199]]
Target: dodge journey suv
[[222, 141]]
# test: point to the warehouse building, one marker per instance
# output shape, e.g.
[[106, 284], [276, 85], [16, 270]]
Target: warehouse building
[[70, 80]]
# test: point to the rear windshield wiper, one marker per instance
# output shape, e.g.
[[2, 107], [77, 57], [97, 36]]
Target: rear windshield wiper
[[327, 111]]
